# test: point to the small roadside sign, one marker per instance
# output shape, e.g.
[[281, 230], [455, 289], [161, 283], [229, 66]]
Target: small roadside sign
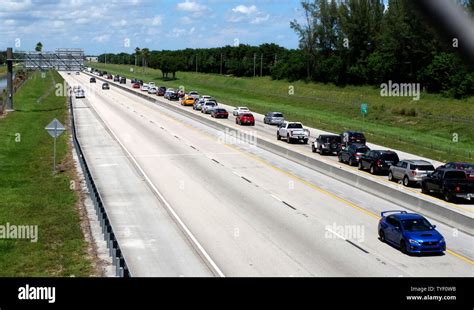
[[55, 129], [364, 109]]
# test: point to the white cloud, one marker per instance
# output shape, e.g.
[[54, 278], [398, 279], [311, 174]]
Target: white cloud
[[156, 20], [15, 5], [58, 23], [102, 38], [191, 6], [260, 18], [247, 10]]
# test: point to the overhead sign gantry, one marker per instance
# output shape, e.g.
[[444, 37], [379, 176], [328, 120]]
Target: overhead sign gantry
[[62, 59]]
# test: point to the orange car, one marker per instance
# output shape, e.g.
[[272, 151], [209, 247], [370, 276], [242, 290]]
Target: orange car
[[187, 101]]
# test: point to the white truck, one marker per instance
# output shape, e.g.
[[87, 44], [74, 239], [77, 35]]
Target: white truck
[[293, 131]]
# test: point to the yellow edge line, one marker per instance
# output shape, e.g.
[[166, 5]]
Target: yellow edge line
[[460, 256]]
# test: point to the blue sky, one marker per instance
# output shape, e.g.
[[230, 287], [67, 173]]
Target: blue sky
[[121, 25]]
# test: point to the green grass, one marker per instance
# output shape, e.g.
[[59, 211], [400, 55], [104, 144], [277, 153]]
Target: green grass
[[3, 70], [31, 195], [425, 127]]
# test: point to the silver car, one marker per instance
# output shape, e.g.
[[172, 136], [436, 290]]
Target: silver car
[[207, 106], [274, 118], [410, 171]]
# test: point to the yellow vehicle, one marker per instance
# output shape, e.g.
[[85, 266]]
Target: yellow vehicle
[[187, 101]]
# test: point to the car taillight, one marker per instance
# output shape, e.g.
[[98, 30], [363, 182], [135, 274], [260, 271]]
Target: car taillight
[[457, 189], [379, 163]]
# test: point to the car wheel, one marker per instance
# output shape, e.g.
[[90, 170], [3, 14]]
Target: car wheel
[[339, 158], [403, 246], [278, 136], [360, 166], [351, 162], [288, 140], [448, 197], [313, 149], [236, 121], [406, 182], [305, 141], [390, 176], [382, 235], [424, 190], [372, 169]]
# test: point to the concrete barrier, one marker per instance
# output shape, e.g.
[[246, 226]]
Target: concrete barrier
[[407, 200]]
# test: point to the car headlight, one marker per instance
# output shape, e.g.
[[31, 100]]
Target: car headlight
[[442, 240], [413, 241]]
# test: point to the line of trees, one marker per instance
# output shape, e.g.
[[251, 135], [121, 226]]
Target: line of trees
[[342, 42], [241, 60]]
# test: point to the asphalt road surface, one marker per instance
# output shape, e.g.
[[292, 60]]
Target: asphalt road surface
[[257, 214]]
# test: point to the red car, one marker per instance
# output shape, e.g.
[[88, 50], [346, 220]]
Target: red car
[[245, 119], [466, 167], [219, 113], [136, 85]]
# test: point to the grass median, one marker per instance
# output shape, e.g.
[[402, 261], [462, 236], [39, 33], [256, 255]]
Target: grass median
[[433, 126], [32, 195]]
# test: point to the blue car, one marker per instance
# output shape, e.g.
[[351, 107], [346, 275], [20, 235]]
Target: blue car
[[411, 232]]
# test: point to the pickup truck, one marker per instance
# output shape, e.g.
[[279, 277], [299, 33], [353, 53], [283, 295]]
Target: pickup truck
[[292, 131], [451, 183]]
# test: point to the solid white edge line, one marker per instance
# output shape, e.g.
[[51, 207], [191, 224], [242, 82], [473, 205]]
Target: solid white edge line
[[203, 253]]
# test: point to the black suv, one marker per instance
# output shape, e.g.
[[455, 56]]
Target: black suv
[[116, 78], [349, 137], [352, 153], [378, 161], [123, 80], [92, 80], [327, 144]]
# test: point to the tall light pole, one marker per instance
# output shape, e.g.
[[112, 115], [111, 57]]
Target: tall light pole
[[221, 63], [261, 64], [254, 65], [9, 79]]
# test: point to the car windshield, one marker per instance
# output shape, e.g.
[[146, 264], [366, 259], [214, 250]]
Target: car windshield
[[389, 156], [455, 175], [295, 126], [416, 225], [362, 150], [277, 115], [358, 136], [423, 167], [336, 139]]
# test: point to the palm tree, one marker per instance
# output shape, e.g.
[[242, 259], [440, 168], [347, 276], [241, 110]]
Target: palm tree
[[137, 53]]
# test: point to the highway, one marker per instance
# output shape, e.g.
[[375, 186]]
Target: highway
[[269, 132], [255, 213]]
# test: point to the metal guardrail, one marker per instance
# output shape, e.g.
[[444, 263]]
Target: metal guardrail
[[109, 236]]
